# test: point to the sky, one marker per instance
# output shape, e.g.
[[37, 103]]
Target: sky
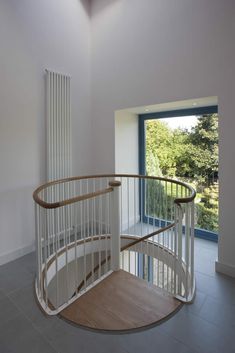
[[184, 122]]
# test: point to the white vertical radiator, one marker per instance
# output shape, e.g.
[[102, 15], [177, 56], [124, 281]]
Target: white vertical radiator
[[58, 105]]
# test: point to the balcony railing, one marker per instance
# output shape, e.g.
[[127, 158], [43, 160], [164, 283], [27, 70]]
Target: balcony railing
[[87, 227]]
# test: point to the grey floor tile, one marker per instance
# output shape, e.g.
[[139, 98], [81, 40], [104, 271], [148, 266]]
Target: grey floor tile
[[28, 262], [14, 279], [65, 338], [16, 265], [104, 344], [205, 244], [78, 340], [199, 334], [222, 315], [166, 344], [206, 267], [153, 342], [218, 287], [8, 311], [205, 257], [136, 342], [197, 304], [2, 294], [205, 253], [18, 336], [25, 301], [15, 275]]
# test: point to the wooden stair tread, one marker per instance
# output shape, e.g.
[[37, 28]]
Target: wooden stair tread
[[121, 301]]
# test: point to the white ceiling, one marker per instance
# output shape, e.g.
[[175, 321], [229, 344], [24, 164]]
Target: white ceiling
[[185, 104]]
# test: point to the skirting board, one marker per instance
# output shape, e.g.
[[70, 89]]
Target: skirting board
[[225, 269], [13, 255]]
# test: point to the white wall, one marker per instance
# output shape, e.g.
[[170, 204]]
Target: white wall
[[126, 161], [143, 53], [126, 143], [35, 35], [156, 51]]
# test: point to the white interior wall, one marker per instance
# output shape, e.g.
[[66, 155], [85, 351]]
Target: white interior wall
[[35, 35], [126, 143], [126, 162], [143, 52], [158, 51]]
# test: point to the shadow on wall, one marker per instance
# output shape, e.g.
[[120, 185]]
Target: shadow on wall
[[99, 6], [87, 6]]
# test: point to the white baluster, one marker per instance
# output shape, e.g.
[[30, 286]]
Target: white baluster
[[115, 226]]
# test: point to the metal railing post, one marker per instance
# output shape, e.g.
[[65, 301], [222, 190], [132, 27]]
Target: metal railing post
[[179, 248], [115, 225]]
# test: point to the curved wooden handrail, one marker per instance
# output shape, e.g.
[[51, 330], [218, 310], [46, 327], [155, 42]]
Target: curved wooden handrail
[[49, 205], [69, 201], [156, 232], [125, 247]]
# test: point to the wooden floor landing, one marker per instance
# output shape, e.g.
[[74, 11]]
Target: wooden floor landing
[[121, 302]]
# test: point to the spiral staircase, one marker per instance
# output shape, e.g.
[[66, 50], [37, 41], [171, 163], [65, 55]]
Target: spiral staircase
[[115, 251]]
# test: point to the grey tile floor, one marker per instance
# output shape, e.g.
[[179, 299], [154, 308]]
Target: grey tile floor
[[207, 325]]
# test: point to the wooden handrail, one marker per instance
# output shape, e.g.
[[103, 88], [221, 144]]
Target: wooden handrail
[[125, 247], [49, 205], [69, 201], [157, 232]]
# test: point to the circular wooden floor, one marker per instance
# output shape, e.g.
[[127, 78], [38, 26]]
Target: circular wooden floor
[[121, 302]]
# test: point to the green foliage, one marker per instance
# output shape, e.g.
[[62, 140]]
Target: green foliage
[[153, 165], [204, 139], [155, 195], [207, 208], [189, 156], [207, 218], [158, 138], [159, 202], [182, 153]]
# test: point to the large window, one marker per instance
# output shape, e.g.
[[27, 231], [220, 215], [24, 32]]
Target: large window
[[183, 145]]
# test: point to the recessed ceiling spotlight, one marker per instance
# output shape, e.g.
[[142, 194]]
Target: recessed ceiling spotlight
[[194, 103], [146, 110]]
